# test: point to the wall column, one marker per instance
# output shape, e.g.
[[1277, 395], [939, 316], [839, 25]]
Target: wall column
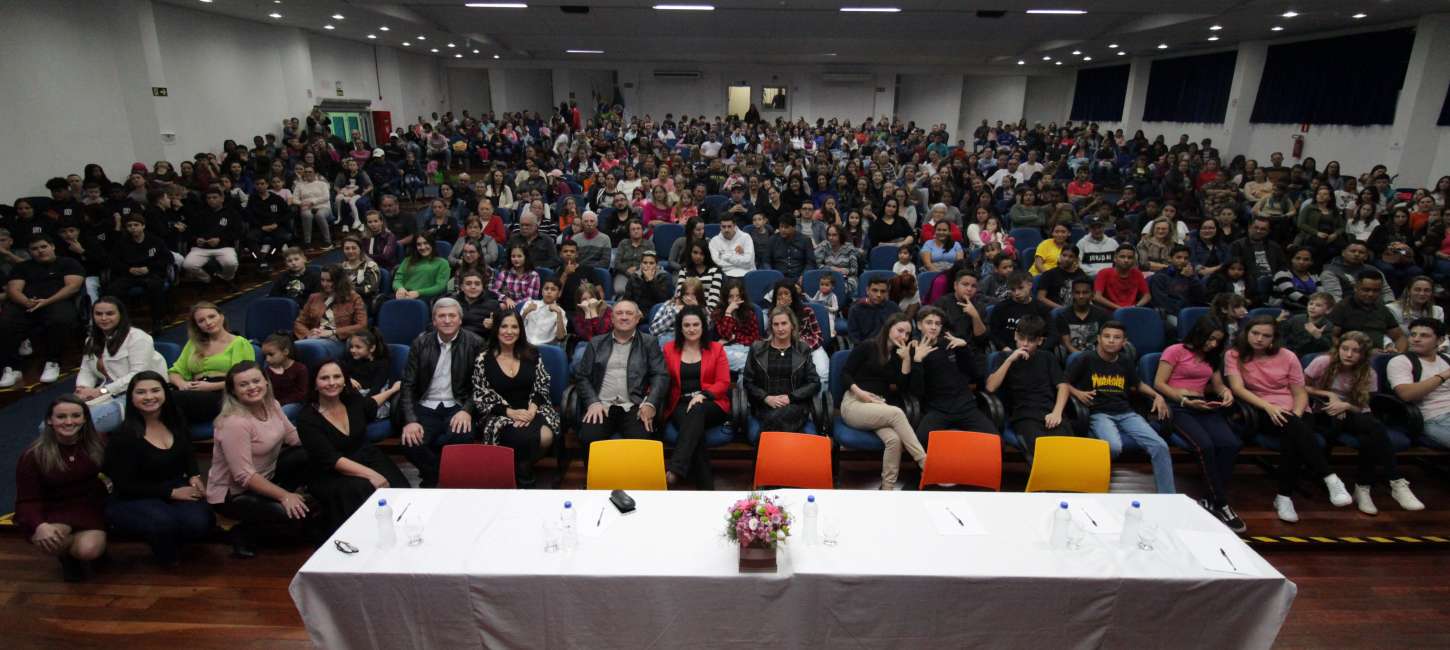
[[1137, 95], [1411, 148], [1243, 92]]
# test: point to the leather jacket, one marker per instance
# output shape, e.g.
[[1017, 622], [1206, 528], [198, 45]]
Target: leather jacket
[[803, 378], [646, 375], [423, 358]]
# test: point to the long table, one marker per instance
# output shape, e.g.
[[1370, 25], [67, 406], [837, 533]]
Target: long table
[[900, 576]]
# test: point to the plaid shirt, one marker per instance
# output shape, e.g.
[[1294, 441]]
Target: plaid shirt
[[518, 287]]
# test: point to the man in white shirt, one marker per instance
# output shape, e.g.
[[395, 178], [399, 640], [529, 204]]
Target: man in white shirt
[[436, 399], [1013, 171], [1097, 249], [1031, 167], [710, 149], [733, 250], [1426, 389]]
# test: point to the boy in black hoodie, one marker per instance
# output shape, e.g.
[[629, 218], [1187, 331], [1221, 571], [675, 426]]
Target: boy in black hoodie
[[1002, 323], [141, 260], [214, 230]]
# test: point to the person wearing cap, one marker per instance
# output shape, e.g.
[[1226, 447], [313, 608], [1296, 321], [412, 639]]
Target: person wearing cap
[[1096, 247], [386, 177]]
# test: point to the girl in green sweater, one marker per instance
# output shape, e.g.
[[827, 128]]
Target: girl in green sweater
[[423, 275]]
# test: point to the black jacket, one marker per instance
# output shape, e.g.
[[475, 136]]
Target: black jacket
[[803, 378], [418, 373], [269, 211], [224, 223], [150, 252], [646, 375]]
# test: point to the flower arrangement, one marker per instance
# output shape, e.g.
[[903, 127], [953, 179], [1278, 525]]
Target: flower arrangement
[[757, 521]]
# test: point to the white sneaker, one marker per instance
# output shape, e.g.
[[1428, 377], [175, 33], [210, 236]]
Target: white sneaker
[[1284, 506], [1400, 490], [1363, 501], [51, 373], [1337, 494], [9, 378], [25, 348]]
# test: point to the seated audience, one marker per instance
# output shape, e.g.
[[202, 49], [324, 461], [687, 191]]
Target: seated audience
[[949, 375], [1036, 390], [1310, 331], [42, 308], [214, 232], [1122, 285], [422, 275], [1185, 374], [335, 312], [298, 281], [141, 261], [869, 314], [1419, 377]]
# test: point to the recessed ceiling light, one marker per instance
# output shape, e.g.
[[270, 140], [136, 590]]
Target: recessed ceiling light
[[407, 43], [1112, 46], [328, 27], [206, 2], [1056, 63], [584, 51], [1162, 46], [685, 7], [433, 50], [1358, 16], [475, 51], [452, 45], [373, 36], [1121, 53], [422, 38], [1057, 12], [497, 5], [1087, 58], [829, 54], [384, 28], [872, 10], [337, 17], [1276, 28], [1212, 38], [1076, 52], [274, 15], [1215, 28], [1046, 58], [1290, 13], [1021, 62], [495, 56], [457, 56]]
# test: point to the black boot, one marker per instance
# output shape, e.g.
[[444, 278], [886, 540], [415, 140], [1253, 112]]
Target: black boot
[[242, 545], [524, 474]]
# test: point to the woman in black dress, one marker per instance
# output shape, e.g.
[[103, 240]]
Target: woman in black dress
[[511, 394], [157, 491], [345, 467]]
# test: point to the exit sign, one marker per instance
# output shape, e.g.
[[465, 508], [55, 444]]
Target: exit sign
[[158, 91]]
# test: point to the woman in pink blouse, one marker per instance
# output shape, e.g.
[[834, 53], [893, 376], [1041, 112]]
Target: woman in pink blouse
[[257, 462], [1270, 378]]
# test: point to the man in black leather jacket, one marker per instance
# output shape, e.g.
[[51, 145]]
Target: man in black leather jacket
[[623, 404], [434, 403]]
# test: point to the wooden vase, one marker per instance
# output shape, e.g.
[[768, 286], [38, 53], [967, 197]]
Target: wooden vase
[[755, 559]]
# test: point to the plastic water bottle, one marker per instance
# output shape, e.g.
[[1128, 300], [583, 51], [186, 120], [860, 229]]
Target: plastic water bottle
[[1132, 521], [810, 514], [569, 528], [1061, 519], [387, 536]]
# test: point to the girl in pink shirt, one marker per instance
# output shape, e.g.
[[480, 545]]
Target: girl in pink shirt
[[1188, 377], [1270, 379]]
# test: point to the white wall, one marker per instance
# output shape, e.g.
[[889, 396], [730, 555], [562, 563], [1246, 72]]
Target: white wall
[[587, 87], [522, 89], [1048, 99], [1442, 157], [930, 99], [50, 53], [468, 90], [420, 83], [1357, 148], [990, 98]]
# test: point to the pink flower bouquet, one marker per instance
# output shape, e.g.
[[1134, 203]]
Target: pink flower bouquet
[[757, 521]]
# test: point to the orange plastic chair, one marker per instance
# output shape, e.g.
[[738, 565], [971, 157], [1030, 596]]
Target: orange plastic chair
[[1067, 464], [626, 465], [476, 467], [963, 458], [796, 460]]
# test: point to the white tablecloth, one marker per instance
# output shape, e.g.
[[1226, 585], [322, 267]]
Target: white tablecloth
[[665, 577]]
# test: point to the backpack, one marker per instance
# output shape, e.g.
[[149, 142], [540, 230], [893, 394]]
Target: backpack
[[1416, 369]]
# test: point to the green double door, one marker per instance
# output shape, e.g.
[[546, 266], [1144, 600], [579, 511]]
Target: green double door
[[343, 124]]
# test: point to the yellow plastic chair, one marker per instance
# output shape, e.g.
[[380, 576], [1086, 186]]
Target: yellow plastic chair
[[626, 465], [1067, 464]]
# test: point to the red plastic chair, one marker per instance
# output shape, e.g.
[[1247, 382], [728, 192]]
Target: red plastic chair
[[476, 467], [963, 458], [795, 460]]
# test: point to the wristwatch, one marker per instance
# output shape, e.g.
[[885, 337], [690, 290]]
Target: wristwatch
[[105, 391]]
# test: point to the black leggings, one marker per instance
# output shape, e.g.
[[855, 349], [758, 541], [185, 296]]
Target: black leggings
[[690, 455], [1376, 456], [1297, 447], [527, 443]]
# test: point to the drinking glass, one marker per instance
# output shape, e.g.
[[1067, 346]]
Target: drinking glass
[[1076, 535], [551, 535], [830, 529], [413, 528], [1147, 536]]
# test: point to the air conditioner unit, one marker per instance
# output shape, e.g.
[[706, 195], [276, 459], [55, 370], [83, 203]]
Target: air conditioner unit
[[845, 77], [677, 74]]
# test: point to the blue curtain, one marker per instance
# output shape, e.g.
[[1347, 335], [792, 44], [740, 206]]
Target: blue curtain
[[1190, 88], [1352, 80], [1100, 93], [1445, 111]]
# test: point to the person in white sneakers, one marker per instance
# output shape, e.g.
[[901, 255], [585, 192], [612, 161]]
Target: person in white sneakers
[[1269, 378], [1344, 378], [1420, 375], [41, 291]]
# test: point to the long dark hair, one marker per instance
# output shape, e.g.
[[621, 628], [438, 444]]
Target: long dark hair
[[413, 255], [797, 301], [524, 351], [171, 416], [99, 343], [883, 337], [706, 336], [1200, 335], [1241, 343], [342, 289], [314, 397], [687, 264]]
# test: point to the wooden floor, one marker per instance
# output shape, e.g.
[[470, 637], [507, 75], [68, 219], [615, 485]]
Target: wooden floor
[[1383, 598]]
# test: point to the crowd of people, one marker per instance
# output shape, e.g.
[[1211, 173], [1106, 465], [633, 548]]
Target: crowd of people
[[942, 271]]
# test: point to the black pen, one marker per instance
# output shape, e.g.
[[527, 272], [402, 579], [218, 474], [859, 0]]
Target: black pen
[[1090, 517], [405, 510], [601, 517], [1226, 557], [954, 516]]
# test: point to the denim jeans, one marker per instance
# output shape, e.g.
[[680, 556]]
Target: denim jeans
[[1438, 429], [1112, 427]]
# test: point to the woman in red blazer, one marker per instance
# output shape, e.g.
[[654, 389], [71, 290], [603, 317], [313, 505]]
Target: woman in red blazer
[[699, 395]]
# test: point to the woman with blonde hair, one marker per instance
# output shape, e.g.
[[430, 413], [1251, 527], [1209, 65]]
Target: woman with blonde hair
[[210, 351]]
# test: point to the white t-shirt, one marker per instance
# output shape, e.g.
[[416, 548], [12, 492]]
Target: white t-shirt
[[1437, 403], [1096, 255], [541, 324]]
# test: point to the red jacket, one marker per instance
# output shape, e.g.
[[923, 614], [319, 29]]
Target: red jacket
[[714, 375]]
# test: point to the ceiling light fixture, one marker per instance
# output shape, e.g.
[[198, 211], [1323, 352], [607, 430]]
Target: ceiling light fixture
[[475, 51], [1087, 58], [1056, 63], [1112, 46], [274, 15], [1021, 62], [1212, 38], [495, 56], [497, 5], [384, 28], [337, 17], [373, 36], [328, 27], [1290, 13], [871, 10], [1162, 46], [1046, 58], [1276, 28], [433, 50], [422, 38], [1358, 16], [457, 56], [1121, 53], [684, 7], [452, 45], [584, 51], [1057, 12], [1215, 28], [1076, 52], [829, 54], [206, 2], [407, 43]]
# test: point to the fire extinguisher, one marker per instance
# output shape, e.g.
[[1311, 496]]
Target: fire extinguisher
[[1298, 146]]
